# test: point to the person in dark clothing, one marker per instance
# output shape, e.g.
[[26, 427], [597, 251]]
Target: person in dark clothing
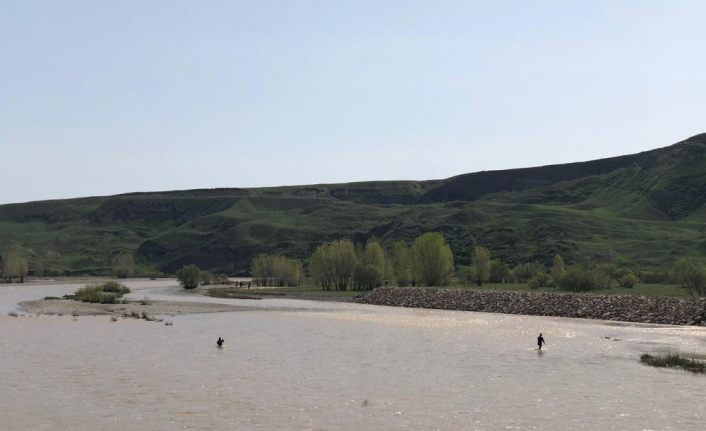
[[220, 342], [540, 342]]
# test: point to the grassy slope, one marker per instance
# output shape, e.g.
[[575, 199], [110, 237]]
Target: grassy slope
[[643, 211]]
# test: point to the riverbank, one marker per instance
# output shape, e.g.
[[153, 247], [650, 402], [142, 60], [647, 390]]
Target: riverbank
[[643, 309], [152, 308], [307, 292]]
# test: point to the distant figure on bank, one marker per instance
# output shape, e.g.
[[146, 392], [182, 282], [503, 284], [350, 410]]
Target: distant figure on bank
[[220, 342], [540, 342]]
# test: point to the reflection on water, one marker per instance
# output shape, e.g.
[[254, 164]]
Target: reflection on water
[[309, 365]]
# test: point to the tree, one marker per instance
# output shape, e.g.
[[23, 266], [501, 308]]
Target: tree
[[558, 269], [480, 265], [690, 275], [499, 272], [433, 260], [277, 270], [205, 278], [370, 272], [401, 260], [123, 265], [580, 279], [189, 276], [321, 267], [526, 271], [625, 277], [15, 266]]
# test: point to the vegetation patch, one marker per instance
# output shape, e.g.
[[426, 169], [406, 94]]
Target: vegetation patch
[[674, 360], [103, 293]]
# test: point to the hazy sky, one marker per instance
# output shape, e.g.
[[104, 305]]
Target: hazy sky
[[104, 97]]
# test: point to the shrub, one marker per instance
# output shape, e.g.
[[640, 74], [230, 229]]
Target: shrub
[[123, 266], [189, 276], [106, 293], [578, 279], [206, 278], [539, 280], [525, 271], [499, 272], [690, 275], [626, 278], [115, 287]]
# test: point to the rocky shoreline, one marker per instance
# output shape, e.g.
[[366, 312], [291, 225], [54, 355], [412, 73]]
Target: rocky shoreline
[[643, 309]]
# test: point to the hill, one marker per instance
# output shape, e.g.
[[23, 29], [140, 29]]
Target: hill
[[644, 210]]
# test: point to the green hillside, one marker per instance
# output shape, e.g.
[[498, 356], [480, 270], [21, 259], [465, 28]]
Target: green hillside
[[644, 210]]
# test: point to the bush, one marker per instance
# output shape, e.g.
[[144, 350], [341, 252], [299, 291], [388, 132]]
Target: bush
[[539, 280], [524, 272], [626, 278], [106, 293], [206, 278], [499, 272], [578, 279], [115, 287], [123, 266], [690, 275], [189, 276]]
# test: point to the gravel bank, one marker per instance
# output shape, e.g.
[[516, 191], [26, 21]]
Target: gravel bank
[[662, 310]]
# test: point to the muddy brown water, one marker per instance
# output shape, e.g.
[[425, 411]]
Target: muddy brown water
[[300, 365]]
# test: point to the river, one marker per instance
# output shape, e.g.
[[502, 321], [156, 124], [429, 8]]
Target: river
[[306, 365]]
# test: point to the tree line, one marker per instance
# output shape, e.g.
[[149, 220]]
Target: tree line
[[341, 265]]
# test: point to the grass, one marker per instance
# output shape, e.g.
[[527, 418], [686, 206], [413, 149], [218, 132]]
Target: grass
[[674, 360], [592, 213], [303, 292]]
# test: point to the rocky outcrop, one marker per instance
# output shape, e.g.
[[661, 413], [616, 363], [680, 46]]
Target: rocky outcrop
[[644, 309]]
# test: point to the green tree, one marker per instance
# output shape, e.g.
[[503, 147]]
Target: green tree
[[401, 260], [123, 265], [333, 265], [433, 260], [625, 277], [321, 267], [205, 278], [690, 275], [580, 279], [480, 265], [344, 261], [370, 272], [558, 269], [189, 276], [15, 266]]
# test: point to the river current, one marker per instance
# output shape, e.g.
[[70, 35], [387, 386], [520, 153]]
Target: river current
[[306, 365]]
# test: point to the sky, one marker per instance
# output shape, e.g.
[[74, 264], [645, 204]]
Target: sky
[[105, 97]]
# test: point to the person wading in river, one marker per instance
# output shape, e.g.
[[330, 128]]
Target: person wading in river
[[220, 342], [540, 342]]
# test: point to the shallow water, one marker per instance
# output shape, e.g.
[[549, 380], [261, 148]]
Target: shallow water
[[294, 364]]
